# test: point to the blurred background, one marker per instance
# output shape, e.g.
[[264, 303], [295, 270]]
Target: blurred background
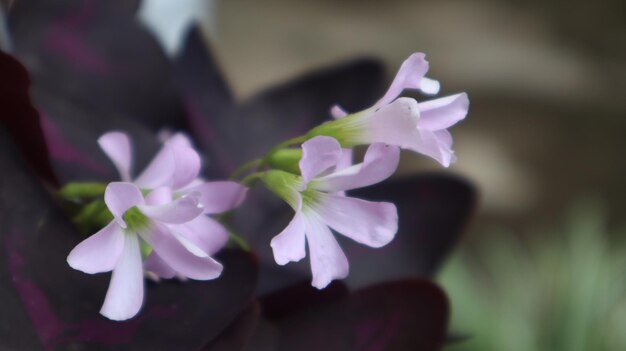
[[541, 267]]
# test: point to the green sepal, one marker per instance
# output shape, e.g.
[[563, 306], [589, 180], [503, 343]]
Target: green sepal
[[81, 190], [286, 160], [285, 185]]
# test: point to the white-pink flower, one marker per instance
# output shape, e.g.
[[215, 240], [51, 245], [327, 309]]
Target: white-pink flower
[[171, 220], [317, 199], [173, 173], [117, 247], [420, 127]]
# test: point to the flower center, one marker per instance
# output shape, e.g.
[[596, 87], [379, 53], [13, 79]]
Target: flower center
[[135, 220]]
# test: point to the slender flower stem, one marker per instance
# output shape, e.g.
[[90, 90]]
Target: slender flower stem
[[251, 178], [244, 167], [238, 240]]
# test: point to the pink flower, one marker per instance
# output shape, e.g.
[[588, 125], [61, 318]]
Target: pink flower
[[117, 247], [420, 127], [319, 205], [174, 173], [171, 221]]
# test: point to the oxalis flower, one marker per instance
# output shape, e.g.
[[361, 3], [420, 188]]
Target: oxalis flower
[[419, 127], [117, 247], [317, 199], [173, 173]]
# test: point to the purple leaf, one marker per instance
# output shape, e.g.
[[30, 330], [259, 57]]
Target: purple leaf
[[96, 55], [433, 210], [20, 117], [402, 315]]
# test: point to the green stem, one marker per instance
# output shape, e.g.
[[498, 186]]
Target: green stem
[[251, 178], [244, 167], [239, 241]]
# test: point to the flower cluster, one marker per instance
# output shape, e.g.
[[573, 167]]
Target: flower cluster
[[162, 225]]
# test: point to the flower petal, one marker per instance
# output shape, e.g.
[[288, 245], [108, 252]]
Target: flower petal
[[178, 257], [409, 76], [220, 196], [437, 145], [100, 252], [319, 154], [443, 112], [181, 210], [289, 245], [125, 294], [116, 145], [187, 165], [328, 262], [160, 171], [119, 197], [429, 86], [337, 112], [379, 163], [393, 124], [370, 223], [155, 264], [159, 196], [207, 234]]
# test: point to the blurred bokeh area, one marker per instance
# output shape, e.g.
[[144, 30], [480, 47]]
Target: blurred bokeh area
[[541, 265]]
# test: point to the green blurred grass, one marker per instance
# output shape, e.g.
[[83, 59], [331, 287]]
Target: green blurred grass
[[559, 288]]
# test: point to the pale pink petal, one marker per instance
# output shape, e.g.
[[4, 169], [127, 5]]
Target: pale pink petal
[[289, 245], [337, 112], [181, 210], [220, 196], [178, 139], [370, 223], [125, 294], [119, 197], [393, 124], [100, 252], [437, 145], [159, 196], [379, 163], [178, 257], [346, 159], [155, 264], [206, 233], [328, 262], [318, 155], [443, 112], [409, 76], [116, 145], [430, 86], [160, 171], [187, 166]]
